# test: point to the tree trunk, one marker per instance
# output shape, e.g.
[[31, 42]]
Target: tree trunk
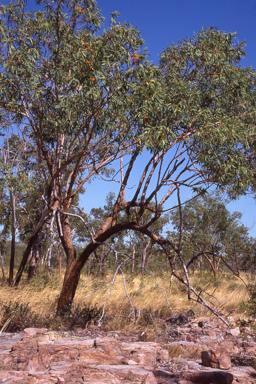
[[72, 274], [213, 264], [68, 291], [2, 264], [147, 261], [133, 257], [34, 257], [200, 262], [13, 207], [73, 270], [59, 257], [144, 256], [28, 249], [32, 264]]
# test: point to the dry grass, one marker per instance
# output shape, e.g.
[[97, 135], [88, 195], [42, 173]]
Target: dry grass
[[42, 295], [177, 350]]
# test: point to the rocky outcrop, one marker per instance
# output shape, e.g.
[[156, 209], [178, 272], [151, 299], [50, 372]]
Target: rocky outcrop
[[186, 353]]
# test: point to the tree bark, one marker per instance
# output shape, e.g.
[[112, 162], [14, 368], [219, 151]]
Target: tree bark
[[69, 287], [213, 263], [148, 259], [89, 268], [72, 274], [67, 242]]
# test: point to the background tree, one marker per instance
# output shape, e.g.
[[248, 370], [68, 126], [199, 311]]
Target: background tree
[[212, 233]]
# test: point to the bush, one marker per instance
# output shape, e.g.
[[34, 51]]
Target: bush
[[82, 317], [18, 316], [250, 306]]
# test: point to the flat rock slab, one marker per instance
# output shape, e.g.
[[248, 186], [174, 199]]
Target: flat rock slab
[[89, 356]]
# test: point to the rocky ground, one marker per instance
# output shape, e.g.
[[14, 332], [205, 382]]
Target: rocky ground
[[184, 353]]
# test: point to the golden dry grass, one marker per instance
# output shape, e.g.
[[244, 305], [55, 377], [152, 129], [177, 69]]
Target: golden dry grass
[[42, 294]]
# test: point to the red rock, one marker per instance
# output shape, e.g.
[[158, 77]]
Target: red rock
[[93, 356], [216, 377], [34, 331], [215, 359], [162, 356], [149, 379]]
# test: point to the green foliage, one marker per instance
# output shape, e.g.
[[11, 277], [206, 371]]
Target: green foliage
[[6, 251], [57, 71], [250, 306], [213, 101]]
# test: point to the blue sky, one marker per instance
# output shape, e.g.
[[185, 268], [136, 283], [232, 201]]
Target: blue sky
[[165, 21]]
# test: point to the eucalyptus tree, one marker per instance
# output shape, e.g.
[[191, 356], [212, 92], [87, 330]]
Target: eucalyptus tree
[[211, 232], [90, 98], [78, 93]]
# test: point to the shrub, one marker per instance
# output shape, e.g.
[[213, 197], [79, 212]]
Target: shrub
[[250, 306], [82, 316], [18, 316]]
